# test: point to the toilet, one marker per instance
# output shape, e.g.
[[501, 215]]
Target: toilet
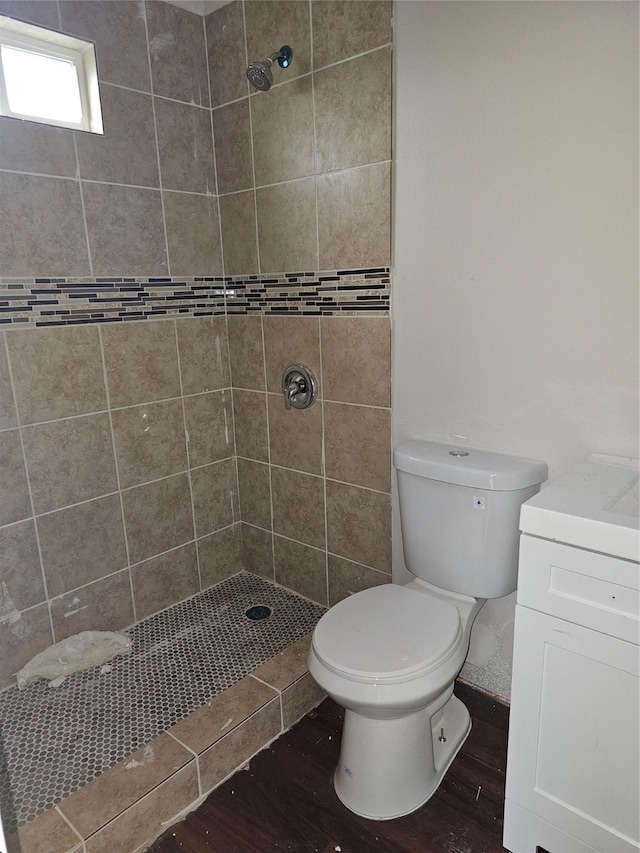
[[389, 655]]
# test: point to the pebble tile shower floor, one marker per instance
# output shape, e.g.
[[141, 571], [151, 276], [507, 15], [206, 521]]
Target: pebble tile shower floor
[[55, 740]]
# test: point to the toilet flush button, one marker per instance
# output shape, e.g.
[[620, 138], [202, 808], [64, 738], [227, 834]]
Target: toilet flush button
[[478, 502]]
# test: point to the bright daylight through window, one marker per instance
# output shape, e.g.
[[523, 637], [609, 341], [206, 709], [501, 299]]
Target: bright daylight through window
[[48, 77]]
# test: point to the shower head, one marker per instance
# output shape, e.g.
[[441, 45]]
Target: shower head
[[259, 72]]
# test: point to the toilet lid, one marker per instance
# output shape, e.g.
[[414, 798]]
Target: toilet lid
[[387, 633]]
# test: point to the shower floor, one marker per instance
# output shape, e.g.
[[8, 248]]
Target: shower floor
[[55, 740]]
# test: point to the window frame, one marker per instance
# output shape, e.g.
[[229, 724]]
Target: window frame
[[48, 43]]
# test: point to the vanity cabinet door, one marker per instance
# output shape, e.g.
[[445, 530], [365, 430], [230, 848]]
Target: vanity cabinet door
[[574, 731]]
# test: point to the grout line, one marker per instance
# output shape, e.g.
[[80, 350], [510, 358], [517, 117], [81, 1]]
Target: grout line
[[187, 442], [195, 758], [315, 139], [45, 588], [253, 159], [117, 470], [266, 405], [316, 476], [155, 128], [68, 822], [324, 471], [82, 204]]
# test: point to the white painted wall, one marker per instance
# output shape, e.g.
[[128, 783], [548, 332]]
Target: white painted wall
[[516, 241]]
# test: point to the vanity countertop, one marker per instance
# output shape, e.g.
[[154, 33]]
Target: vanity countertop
[[594, 507]]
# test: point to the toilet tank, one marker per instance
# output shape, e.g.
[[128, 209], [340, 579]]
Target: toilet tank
[[459, 511]]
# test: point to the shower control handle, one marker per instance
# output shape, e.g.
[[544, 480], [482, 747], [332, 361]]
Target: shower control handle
[[298, 387]]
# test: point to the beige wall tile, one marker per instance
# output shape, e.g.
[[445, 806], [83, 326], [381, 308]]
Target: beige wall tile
[[255, 493], [250, 419], [354, 218], [165, 580], [231, 751], [69, 461], [120, 786], [150, 442], [291, 340], [346, 578], [141, 362], [82, 543], [356, 360], [126, 230], [353, 112], [14, 493], [257, 551], [126, 153], [149, 817], [204, 354], [178, 54], [301, 568], [157, 517], [20, 564], [220, 555], [246, 352], [209, 419], [48, 833], [105, 605], [283, 150], [185, 146], [8, 416], [215, 496], [239, 235], [299, 699], [30, 147], [287, 666], [118, 30], [288, 241], [57, 373], [295, 436], [42, 228], [222, 714], [357, 445], [270, 25], [343, 28], [359, 525], [193, 234], [232, 136], [298, 506], [21, 640], [41, 12], [225, 42]]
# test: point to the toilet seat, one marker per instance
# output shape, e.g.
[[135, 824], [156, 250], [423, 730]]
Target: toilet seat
[[387, 634]]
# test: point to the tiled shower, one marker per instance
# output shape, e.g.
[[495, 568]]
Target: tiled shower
[[154, 284]]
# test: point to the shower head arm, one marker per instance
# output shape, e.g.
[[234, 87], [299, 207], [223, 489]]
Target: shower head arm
[[283, 56]]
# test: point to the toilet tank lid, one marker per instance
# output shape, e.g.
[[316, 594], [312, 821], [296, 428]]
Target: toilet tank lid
[[464, 466]]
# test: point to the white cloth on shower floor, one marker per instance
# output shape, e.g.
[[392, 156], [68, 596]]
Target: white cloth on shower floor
[[81, 651]]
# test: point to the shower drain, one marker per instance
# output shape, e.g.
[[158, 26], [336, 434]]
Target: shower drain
[[258, 612]]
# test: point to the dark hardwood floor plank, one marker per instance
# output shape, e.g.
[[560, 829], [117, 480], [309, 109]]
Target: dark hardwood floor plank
[[285, 800]]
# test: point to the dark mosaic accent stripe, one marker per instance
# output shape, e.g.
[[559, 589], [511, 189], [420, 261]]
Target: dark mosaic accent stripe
[[53, 741], [76, 301]]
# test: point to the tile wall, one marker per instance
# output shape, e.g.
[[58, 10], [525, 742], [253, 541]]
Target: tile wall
[[119, 478], [304, 183], [314, 484]]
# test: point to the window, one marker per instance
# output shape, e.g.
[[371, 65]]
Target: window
[[48, 77]]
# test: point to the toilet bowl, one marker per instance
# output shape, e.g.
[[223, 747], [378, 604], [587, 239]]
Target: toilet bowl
[[390, 655]]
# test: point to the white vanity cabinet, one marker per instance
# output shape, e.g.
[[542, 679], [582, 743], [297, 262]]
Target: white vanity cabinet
[[573, 766]]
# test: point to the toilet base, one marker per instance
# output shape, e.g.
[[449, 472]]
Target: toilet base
[[389, 768]]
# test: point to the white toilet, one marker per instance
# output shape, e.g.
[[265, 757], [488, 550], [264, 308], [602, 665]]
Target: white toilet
[[389, 655]]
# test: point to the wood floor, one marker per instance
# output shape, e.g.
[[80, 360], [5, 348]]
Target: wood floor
[[285, 801]]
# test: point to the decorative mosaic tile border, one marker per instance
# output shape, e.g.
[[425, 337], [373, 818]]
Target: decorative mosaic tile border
[[363, 291], [76, 301], [54, 741]]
